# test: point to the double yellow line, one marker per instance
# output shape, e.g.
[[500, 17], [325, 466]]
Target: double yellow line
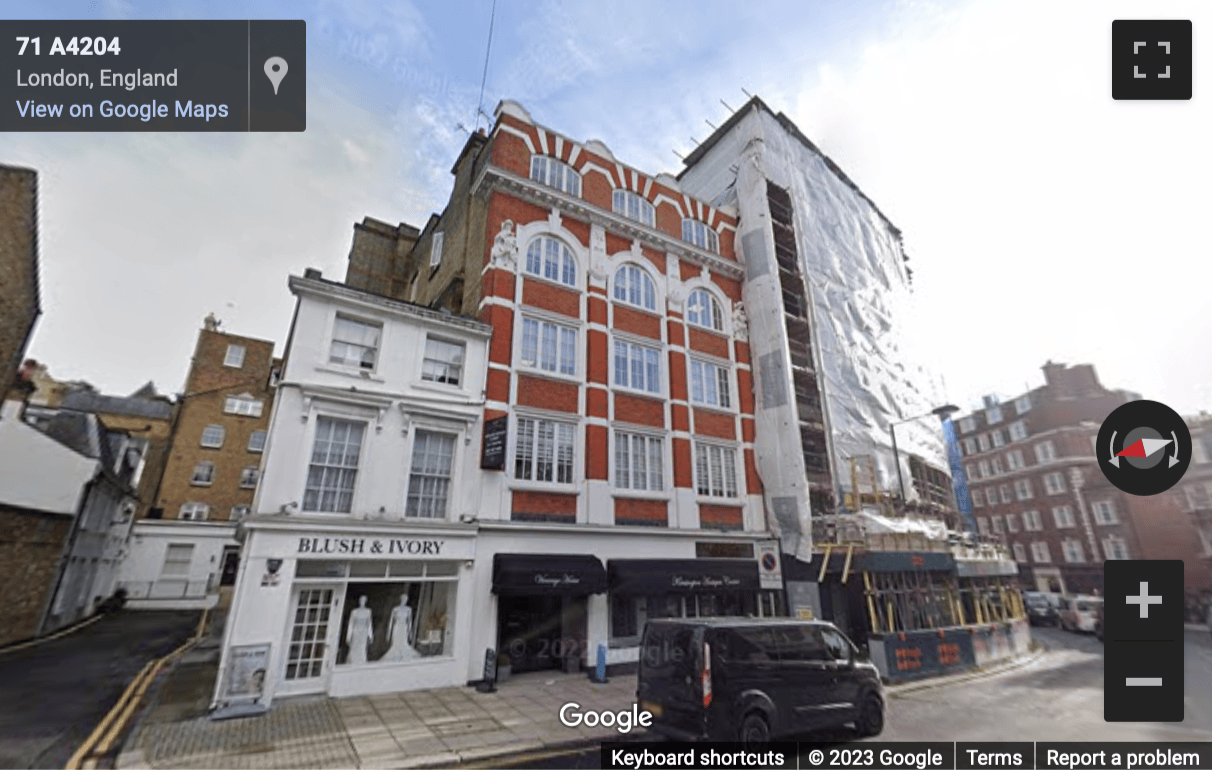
[[103, 737]]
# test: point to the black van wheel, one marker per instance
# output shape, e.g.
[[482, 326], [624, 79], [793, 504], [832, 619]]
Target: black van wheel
[[754, 730], [871, 716]]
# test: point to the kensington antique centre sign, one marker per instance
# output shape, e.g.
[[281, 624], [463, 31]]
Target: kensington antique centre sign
[[374, 546], [704, 581]]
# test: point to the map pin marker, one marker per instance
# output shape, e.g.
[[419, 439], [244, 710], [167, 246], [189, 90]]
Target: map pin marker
[[275, 70]]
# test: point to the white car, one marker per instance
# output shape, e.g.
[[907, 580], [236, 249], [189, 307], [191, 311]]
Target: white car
[[1080, 613]]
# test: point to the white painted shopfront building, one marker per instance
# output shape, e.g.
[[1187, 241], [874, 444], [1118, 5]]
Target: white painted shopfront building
[[356, 570]]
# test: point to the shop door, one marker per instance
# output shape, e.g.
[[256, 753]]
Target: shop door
[[310, 639], [530, 632]]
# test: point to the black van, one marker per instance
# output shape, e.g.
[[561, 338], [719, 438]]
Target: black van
[[750, 680]]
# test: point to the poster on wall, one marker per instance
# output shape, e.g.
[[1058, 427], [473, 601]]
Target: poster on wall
[[246, 669]]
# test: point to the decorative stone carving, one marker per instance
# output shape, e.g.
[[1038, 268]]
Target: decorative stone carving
[[740, 321], [597, 239], [555, 220], [505, 248], [678, 292]]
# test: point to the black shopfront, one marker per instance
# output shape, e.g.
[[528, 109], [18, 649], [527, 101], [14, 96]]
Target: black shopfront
[[647, 589], [542, 606]]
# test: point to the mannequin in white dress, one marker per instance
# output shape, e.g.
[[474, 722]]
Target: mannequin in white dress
[[359, 634], [399, 631]]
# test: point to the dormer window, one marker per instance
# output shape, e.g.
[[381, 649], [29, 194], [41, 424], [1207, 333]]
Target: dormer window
[[553, 173], [634, 207], [698, 233]]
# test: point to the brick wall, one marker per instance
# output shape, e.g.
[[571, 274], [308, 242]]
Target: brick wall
[[19, 304], [30, 546]]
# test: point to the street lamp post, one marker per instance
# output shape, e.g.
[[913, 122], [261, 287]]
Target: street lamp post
[[942, 412]]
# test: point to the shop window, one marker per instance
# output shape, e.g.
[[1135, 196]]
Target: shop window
[[396, 622], [625, 618], [314, 568]]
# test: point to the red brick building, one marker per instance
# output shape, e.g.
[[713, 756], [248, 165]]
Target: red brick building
[[620, 362], [1036, 485]]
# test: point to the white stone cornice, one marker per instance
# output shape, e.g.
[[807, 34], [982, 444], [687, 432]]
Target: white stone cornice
[[549, 197]]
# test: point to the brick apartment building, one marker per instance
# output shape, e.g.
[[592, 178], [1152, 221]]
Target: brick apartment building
[[620, 364], [184, 549], [1036, 485], [20, 304], [220, 431]]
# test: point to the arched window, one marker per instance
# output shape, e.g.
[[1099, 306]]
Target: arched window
[[552, 260], [633, 206], [702, 309], [633, 286], [553, 173], [696, 232]]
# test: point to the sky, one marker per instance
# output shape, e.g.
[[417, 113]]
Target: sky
[[1043, 220]]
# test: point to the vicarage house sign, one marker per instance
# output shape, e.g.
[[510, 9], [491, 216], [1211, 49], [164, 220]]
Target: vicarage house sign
[[552, 580]]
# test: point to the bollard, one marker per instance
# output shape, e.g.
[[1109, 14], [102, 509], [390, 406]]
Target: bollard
[[599, 672]]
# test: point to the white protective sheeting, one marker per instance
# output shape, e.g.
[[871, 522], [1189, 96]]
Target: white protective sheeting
[[859, 293]]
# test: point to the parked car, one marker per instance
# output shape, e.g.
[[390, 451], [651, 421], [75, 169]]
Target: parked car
[[1040, 611], [1098, 621], [1079, 613], [751, 680]]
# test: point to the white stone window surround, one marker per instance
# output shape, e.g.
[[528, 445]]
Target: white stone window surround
[[738, 454], [666, 492], [647, 344], [316, 406], [577, 422], [622, 279], [560, 321]]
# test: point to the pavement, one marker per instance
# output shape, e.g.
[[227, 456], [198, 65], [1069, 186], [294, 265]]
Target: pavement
[[53, 692], [428, 728]]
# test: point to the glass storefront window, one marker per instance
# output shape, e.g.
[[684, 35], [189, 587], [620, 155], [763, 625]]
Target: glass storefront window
[[312, 568], [396, 622]]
